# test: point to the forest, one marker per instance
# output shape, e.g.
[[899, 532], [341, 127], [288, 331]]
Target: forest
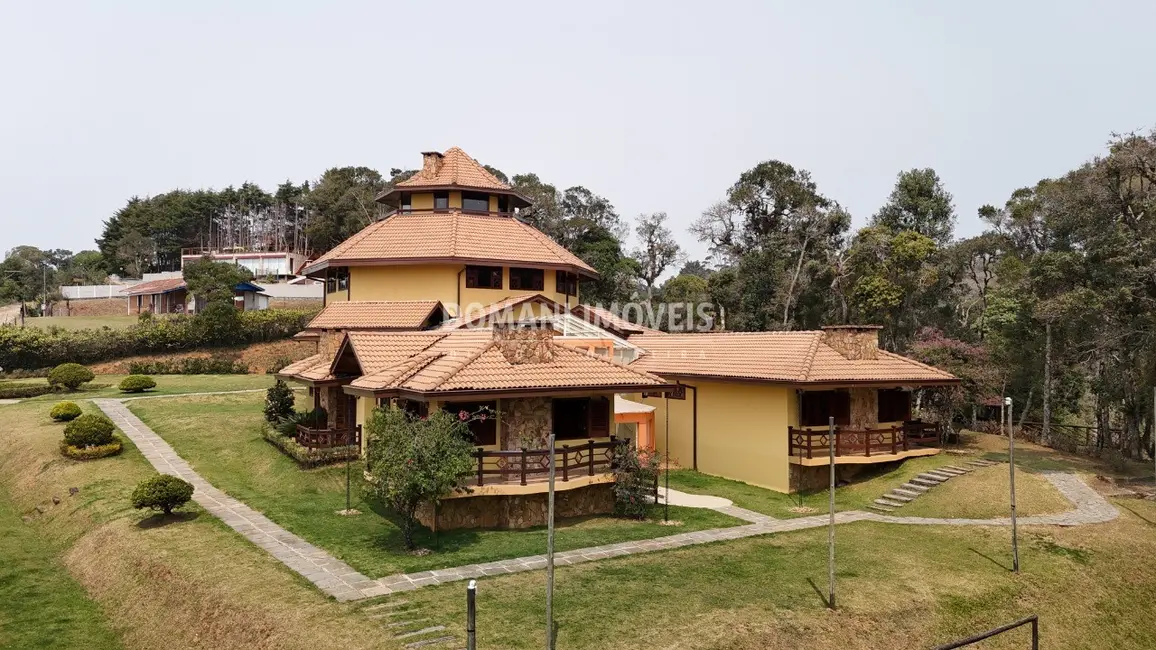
[[1054, 303]]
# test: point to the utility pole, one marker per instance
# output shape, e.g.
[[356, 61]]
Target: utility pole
[[666, 498], [831, 513], [550, 553], [1011, 462]]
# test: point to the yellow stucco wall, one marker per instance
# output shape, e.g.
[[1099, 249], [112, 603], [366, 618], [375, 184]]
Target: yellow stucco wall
[[742, 431], [432, 282]]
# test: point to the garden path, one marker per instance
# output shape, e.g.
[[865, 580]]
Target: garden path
[[341, 581]]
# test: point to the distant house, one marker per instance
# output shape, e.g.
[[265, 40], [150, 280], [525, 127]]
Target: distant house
[[171, 296]]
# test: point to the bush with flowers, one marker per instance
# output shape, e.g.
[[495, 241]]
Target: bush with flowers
[[417, 460], [635, 473]]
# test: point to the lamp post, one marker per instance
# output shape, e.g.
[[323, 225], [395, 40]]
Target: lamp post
[[1011, 461]]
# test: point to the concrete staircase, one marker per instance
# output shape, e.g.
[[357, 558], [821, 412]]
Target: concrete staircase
[[908, 492]]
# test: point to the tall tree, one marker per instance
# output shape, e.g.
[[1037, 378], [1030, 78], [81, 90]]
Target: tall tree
[[657, 250], [919, 203]]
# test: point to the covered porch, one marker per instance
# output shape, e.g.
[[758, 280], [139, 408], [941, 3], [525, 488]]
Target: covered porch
[[863, 445]]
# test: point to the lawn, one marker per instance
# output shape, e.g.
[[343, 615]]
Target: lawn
[[82, 322], [166, 385], [220, 437], [985, 493]]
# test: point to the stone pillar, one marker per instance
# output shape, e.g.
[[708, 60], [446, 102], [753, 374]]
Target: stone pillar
[[526, 422], [854, 342]]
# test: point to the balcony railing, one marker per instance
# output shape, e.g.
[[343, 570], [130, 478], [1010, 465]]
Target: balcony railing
[[863, 442], [327, 438], [533, 465]]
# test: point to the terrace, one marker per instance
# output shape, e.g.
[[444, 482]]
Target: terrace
[[864, 445]]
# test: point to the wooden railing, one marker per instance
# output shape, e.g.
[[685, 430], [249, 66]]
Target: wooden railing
[[326, 438], [863, 442], [525, 465], [1078, 438]]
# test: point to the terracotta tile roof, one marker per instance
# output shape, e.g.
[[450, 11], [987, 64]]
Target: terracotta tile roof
[[789, 357], [374, 314], [454, 236], [606, 319], [314, 368], [469, 360], [457, 168], [507, 310], [377, 351], [155, 286]]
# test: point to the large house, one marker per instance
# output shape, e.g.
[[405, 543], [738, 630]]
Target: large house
[[452, 302]]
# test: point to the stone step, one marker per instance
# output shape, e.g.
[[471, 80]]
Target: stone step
[[905, 492], [927, 476], [957, 468], [938, 474], [424, 642], [914, 488], [389, 605], [889, 503], [922, 482], [895, 496], [947, 470], [424, 630], [407, 623], [880, 508]]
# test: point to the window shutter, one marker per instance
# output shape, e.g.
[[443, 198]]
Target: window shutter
[[599, 417]]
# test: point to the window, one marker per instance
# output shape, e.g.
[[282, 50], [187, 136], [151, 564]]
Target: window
[[441, 200], [330, 284], [894, 405], [820, 405], [583, 417], [531, 279], [475, 202], [483, 277], [342, 279], [414, 408], [406, 202], [566, 283], [484, 432]]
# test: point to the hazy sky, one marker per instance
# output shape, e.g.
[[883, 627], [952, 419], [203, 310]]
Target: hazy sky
[[657, 106]]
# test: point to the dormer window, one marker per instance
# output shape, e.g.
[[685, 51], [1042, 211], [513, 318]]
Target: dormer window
[[527, 279], [475, 202], [441, 200]]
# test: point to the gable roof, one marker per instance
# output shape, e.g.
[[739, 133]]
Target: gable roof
[[471, 361], [155, 286], [457, 169], [453, 237], [782, 357], [375, 314], [310, 369]]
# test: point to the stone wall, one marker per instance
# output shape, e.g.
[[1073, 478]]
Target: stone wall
[[526, 422], [525, 344], [816, 478], [91, 307], [854, 342], [864, 408], [518, 511], [294, 303]]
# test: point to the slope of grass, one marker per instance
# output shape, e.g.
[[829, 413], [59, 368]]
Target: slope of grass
[[985, 493], [220, 437]]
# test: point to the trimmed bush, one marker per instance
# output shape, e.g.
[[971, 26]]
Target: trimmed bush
[[89, 430], [65, 411], [22, 391], [214, 365], [162, 492], [91, 453], [278, 402], [70, 375], [136, 384]]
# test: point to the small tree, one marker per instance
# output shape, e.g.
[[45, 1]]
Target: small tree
[[278, 402], [137, 384], [635, 473], [70, 376], [417, 461], [162, 492]]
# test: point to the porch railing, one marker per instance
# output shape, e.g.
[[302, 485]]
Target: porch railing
[[525, 465], [326, 438], [863, 442]]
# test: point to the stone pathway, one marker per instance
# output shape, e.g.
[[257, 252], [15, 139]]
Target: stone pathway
[[341, 581], [916, 487]]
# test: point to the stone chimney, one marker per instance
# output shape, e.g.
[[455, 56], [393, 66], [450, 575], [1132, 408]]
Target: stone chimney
[[854, 342], [431, 163], [525, 344]]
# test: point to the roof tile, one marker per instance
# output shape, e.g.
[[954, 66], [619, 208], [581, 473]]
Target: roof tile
[[374, 314], [457, 168]]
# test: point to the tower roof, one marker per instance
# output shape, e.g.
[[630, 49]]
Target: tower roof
[[454, 169]]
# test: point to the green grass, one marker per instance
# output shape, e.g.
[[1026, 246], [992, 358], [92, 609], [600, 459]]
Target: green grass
[[166, 385], [81, 322], [41, 606], [220, 437]]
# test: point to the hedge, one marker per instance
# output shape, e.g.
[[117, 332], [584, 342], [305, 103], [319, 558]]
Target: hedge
[[136, 384], [304, 456], [30, 347], [217, 365], [21, 391], [91, 453]]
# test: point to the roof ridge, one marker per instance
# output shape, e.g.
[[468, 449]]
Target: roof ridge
[[609, 362], [550, 243], [351, 241], [916, 362], [810, 358], [462, 366]]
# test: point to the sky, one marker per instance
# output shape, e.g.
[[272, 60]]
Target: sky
[[658, 106]]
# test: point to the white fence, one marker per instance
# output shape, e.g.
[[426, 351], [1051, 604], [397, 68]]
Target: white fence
[[294, 291], [84, 292]]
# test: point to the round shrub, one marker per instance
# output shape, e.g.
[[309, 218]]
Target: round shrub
[[70, 375], [65, 411], [162, 492], [136, 384], [89, 430]]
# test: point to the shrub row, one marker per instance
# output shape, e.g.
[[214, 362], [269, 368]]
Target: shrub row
[[22, 391], [29, 347], [304, 456], [215, 365], [91, 453]]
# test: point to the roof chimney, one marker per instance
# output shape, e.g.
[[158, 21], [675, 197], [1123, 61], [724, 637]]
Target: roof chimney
[[854, 342], [521, 344], [431, 163]]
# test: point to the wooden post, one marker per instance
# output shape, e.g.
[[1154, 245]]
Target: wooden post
[[831, 514], [565, 463], [471, 615], [524, 464], [549, 550], [589, 456], [1015, 546], [481, 461]]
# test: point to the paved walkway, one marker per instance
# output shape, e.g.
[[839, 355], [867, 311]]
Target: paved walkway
[[341, 581]]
